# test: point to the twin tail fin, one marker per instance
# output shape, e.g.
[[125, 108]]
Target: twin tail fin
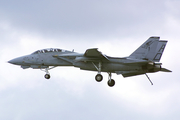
[[151, 50]]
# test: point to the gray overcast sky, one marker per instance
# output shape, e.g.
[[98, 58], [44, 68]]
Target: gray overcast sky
[[117, 28]]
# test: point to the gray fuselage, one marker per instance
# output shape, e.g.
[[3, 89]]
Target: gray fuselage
[[44, 59]]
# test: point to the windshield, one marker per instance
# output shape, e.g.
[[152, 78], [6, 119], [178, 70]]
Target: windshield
[[49, 50]]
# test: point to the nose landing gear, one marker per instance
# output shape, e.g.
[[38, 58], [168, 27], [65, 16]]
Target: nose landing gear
[[47, 75]]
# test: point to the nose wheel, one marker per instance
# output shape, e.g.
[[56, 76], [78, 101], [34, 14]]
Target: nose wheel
[[47, 76]]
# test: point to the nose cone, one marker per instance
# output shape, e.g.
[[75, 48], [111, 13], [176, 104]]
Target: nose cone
[[16, 61]]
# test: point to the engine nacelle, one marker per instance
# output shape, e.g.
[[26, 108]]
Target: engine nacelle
[[152, 67], [84, 65], [155, 68]]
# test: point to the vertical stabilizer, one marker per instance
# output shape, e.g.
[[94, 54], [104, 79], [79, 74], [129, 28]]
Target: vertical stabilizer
[[151, 50], [146, 48]]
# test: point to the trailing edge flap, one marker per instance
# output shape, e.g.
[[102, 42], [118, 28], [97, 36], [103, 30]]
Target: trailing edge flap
[[129, 74], [95, 53]]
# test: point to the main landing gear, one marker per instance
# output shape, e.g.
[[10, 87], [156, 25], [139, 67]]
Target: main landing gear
[[110, 82], [99, 77]]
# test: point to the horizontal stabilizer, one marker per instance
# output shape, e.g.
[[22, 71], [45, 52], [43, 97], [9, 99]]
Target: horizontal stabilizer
[[165, 70], [132, 74]]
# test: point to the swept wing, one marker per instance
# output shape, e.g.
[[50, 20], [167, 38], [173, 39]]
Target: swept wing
[[95, 53], [90, 55]]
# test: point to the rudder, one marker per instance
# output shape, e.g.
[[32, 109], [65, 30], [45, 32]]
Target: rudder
[[159, 51]]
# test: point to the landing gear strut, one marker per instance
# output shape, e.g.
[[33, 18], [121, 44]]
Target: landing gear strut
[[47, 75], [98, 77]]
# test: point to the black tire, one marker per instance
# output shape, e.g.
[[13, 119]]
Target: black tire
[[99, 77], [111, 83], [47, 76]]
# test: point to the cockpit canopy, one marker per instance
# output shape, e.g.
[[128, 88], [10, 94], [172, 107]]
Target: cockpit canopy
[[49, 50]]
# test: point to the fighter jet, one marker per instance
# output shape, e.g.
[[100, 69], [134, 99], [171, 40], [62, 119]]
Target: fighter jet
[[143, 60]]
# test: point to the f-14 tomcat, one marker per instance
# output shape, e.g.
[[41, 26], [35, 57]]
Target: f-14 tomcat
[[143, 60]]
